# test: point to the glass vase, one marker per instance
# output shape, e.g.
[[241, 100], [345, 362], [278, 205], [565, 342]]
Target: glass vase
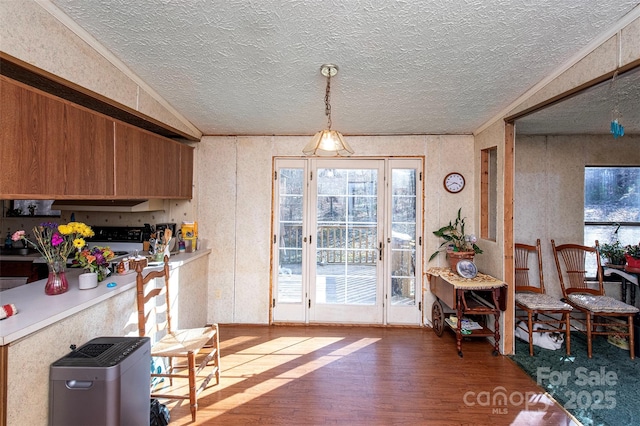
[[57, 282]]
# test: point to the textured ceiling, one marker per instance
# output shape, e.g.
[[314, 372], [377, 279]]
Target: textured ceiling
[[241, 67], [591, 111]]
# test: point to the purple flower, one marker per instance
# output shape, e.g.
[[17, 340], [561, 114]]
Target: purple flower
[[56, 240]]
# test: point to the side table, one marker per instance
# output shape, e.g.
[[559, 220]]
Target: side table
[[465, 297], [628, 275]]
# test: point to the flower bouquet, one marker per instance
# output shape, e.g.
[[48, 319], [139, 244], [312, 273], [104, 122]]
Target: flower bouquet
[[96, 260], [55, 243]]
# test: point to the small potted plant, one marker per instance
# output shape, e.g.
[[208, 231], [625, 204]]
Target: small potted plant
[[95, 261], [632, 254], [613, 254], [457, 244]]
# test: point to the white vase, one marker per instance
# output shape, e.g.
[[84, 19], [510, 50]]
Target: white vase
[[88, 280]]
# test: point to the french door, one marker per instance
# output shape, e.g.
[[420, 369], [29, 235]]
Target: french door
[[345, 241]]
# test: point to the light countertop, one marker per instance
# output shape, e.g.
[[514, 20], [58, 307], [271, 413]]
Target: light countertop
[[36, 310], [20, 258]]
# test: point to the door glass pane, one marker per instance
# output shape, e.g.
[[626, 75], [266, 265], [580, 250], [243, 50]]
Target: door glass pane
[[290, 236], [346, 236], [403, 237]]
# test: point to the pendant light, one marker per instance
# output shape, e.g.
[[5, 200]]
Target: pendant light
[[328, 142]]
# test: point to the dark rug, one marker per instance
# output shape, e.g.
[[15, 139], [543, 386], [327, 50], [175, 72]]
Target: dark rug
[[603, 390]]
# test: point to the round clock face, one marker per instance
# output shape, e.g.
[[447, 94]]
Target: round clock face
[[454, 182]]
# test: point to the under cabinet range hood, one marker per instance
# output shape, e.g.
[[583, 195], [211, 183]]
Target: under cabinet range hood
[[118, 206]]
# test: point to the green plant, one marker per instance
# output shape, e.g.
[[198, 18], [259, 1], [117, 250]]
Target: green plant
[[614, 252], [454, 237]]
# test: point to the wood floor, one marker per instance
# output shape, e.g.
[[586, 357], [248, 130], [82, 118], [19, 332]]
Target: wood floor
[[320, 375]]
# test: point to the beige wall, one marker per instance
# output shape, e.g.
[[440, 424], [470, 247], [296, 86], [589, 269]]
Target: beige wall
[[620, 50], [32, 34], [234, 207], [232, 177], [549, 188]]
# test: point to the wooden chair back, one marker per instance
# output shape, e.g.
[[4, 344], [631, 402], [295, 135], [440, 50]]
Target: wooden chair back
[[570, 262], [524, 275], [154, 320]]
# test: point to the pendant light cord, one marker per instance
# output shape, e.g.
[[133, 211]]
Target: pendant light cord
[[327, 103]]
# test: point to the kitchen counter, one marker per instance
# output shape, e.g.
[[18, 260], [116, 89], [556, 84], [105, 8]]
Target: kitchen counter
[[46, 326], [31, 257], [20, 258], [36, 310]]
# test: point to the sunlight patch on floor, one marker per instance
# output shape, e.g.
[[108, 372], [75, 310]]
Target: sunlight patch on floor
[[286, 350], [226, 344]]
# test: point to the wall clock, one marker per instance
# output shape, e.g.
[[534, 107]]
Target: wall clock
[[454, 182]]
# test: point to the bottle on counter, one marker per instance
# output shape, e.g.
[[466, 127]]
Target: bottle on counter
[[8, 242]]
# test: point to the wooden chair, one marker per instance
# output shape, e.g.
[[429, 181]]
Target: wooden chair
[[591, 300], [154, 320], [533, 305]]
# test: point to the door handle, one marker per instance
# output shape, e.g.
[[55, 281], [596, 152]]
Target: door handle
[[380, 251]]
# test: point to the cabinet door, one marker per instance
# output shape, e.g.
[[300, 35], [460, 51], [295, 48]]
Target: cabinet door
[[147, 165], [51, 148], [31, 142], [88, 156], [186, 171]]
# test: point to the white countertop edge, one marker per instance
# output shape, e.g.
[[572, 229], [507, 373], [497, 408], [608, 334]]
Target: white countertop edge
[[36, 310]]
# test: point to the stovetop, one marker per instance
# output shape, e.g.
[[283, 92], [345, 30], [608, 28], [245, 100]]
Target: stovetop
[[123, 240], [118, 234]]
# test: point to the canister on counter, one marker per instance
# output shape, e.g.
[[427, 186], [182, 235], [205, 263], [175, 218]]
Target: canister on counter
[[190, 235]]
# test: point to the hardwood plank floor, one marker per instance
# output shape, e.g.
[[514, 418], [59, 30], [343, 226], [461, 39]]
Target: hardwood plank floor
[[331, 375]]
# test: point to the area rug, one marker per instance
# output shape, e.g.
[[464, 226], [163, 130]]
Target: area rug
[[603, 390]]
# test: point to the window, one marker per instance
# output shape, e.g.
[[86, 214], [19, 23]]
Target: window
[[611, 205], [31, 208]]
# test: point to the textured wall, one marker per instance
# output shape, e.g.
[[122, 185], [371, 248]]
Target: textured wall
[[30, 33], [619, 50], [175, 211], [234, 207], [601, 60], [549, 188]]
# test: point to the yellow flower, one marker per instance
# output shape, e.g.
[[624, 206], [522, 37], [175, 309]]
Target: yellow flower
[[83, 229], [65, 229], [79, 243]]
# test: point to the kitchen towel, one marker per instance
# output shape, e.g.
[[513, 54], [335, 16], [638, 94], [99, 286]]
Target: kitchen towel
[[7, 311]]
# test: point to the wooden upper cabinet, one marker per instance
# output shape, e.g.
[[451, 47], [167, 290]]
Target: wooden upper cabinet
[[31, 142], [147, 165], [50, 148], [186, 171], [89, 149]]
